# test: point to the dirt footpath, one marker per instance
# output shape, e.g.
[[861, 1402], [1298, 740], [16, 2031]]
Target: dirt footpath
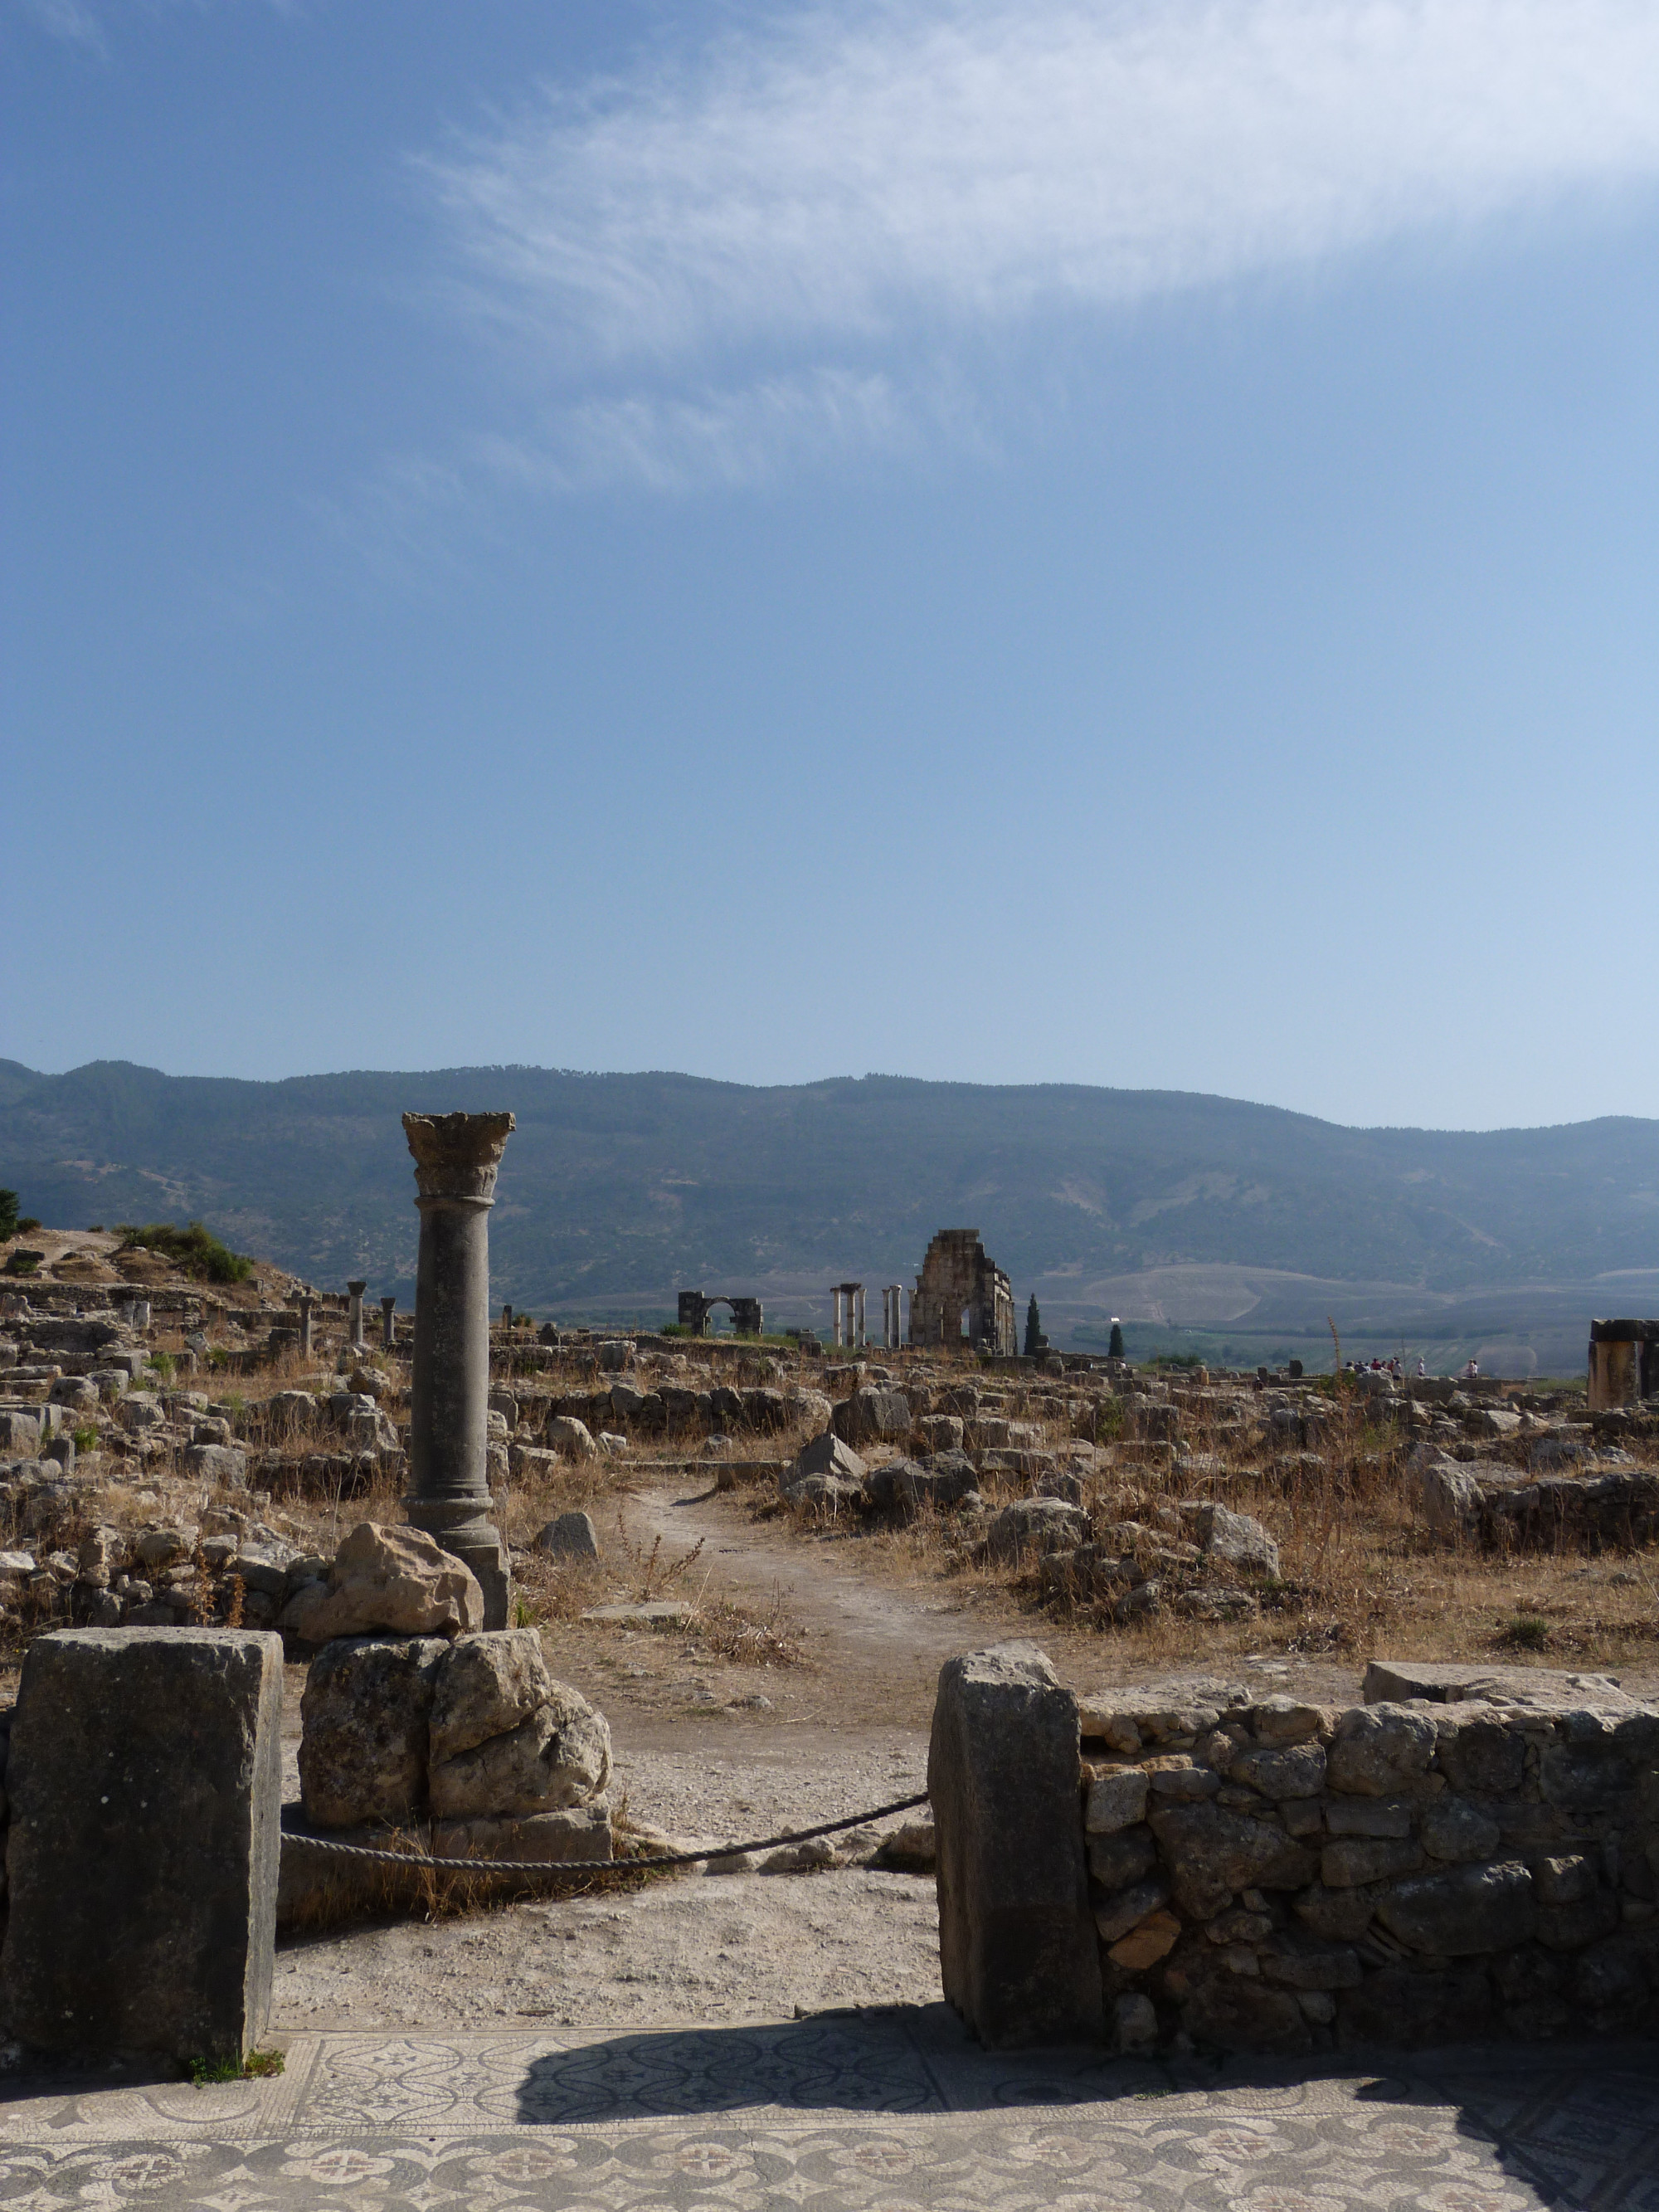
[[714, 1752]]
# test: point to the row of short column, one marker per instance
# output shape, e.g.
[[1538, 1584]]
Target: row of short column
[[848, 1327], [354, 1316]]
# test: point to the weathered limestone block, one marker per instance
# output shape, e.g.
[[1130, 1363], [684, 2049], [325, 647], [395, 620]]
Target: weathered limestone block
[[558, 1756], [1115, 1861], [224, 1464], [1448, 1497], [1380, 1750], [1470, 1909], [366, 1717], [1238, 1538], [1212, 1852], [872, 1416], [387, 1580], [570, 1536], [571, 1439], [144, 1779], [1018, 1948], [1296, 1771], [577, 1831], [825, 1455], [487, 1686], [1115, 1801], [1038, 1524], [1455, 1831]]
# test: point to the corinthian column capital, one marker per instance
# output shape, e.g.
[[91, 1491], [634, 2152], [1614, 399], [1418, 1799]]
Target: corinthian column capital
[[456, 1154]]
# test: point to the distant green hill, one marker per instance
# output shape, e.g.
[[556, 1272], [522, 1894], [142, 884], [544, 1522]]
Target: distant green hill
[[616, 1189]]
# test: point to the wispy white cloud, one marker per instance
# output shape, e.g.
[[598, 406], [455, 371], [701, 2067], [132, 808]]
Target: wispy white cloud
[[80, 23], [812, 196], [69, 19]]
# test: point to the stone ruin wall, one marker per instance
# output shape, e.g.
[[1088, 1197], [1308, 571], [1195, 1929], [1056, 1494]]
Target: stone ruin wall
[[1285, 1877], [956, 1276]]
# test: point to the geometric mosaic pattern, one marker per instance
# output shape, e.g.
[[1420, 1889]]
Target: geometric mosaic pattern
[[890, 2111]]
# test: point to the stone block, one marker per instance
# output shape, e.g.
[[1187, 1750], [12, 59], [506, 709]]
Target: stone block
[[570, 1536], [367, 1719], [577, 1831], [1018, 1950], [558, 1756], [223, 1464], [1210, 1853], [1353, 1860], [1115, 1801], [387, 1580], [1117, 1861], [145, 1785], [1379, 1751], [872, 1416], [1297, 1770], [1456, 1914]]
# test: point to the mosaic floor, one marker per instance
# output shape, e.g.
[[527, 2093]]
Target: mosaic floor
[[894, 2112]]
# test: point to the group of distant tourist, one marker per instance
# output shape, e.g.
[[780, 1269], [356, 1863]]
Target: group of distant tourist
[[1470, 1373]]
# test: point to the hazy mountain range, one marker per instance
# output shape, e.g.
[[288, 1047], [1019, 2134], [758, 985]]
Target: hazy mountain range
[[1183, 1213]]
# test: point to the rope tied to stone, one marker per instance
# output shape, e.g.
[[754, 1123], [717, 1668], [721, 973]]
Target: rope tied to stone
[[425, 1863]]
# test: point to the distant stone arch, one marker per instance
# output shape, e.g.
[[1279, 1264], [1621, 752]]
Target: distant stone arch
[[748, 1317]]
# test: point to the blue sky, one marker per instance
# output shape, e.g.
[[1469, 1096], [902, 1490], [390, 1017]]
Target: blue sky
[[1102, 543]]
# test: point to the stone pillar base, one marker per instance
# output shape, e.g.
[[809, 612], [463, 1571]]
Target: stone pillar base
[[466, 1535]]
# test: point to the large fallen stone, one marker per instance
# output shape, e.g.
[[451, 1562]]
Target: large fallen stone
[[558, 1756], [825, 1455], [387, 1580], [572, 1438], [1034, 1524], [1238, 1538], [570, 1536], [872, 1416], [366, 1718], [144, 1777], [1017, 1947], [1448, 1497]]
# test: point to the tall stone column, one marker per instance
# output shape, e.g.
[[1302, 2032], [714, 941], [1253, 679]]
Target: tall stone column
[[355, 1291], [306, 1305], [388, 1326], [456, 1156]]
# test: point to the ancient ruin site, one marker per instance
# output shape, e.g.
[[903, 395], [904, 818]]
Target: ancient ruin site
[[829, 1183], [592, 1680]]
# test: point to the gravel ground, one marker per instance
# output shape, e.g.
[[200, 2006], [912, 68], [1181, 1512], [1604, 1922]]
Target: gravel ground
[[700, 1947]]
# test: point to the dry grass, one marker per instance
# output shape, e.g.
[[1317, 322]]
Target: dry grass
[[1358, 1572]]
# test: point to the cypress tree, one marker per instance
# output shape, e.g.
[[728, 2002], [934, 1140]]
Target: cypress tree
[[1033, 1328], [1115, 1350]]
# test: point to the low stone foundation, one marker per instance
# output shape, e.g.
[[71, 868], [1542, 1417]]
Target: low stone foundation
[[1259, 1874]]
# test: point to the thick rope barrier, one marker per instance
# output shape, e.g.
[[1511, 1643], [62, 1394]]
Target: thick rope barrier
[[422, 1861]]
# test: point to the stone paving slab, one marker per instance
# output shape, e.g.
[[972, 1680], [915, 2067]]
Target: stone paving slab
[[874, 2112]]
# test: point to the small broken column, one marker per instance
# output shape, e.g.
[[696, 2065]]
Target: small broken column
[[456, 1158], [507, 1316], [306, 1305], [355, 1314], [388, 1324]]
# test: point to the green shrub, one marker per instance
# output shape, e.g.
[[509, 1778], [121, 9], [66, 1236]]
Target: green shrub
[[29, 1224], [161, 1362], [8, 1216], [22, 1261], [86, 1440], [194, 1249]]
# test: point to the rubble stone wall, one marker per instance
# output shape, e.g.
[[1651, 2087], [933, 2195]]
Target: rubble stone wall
[[1267, 1874]]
